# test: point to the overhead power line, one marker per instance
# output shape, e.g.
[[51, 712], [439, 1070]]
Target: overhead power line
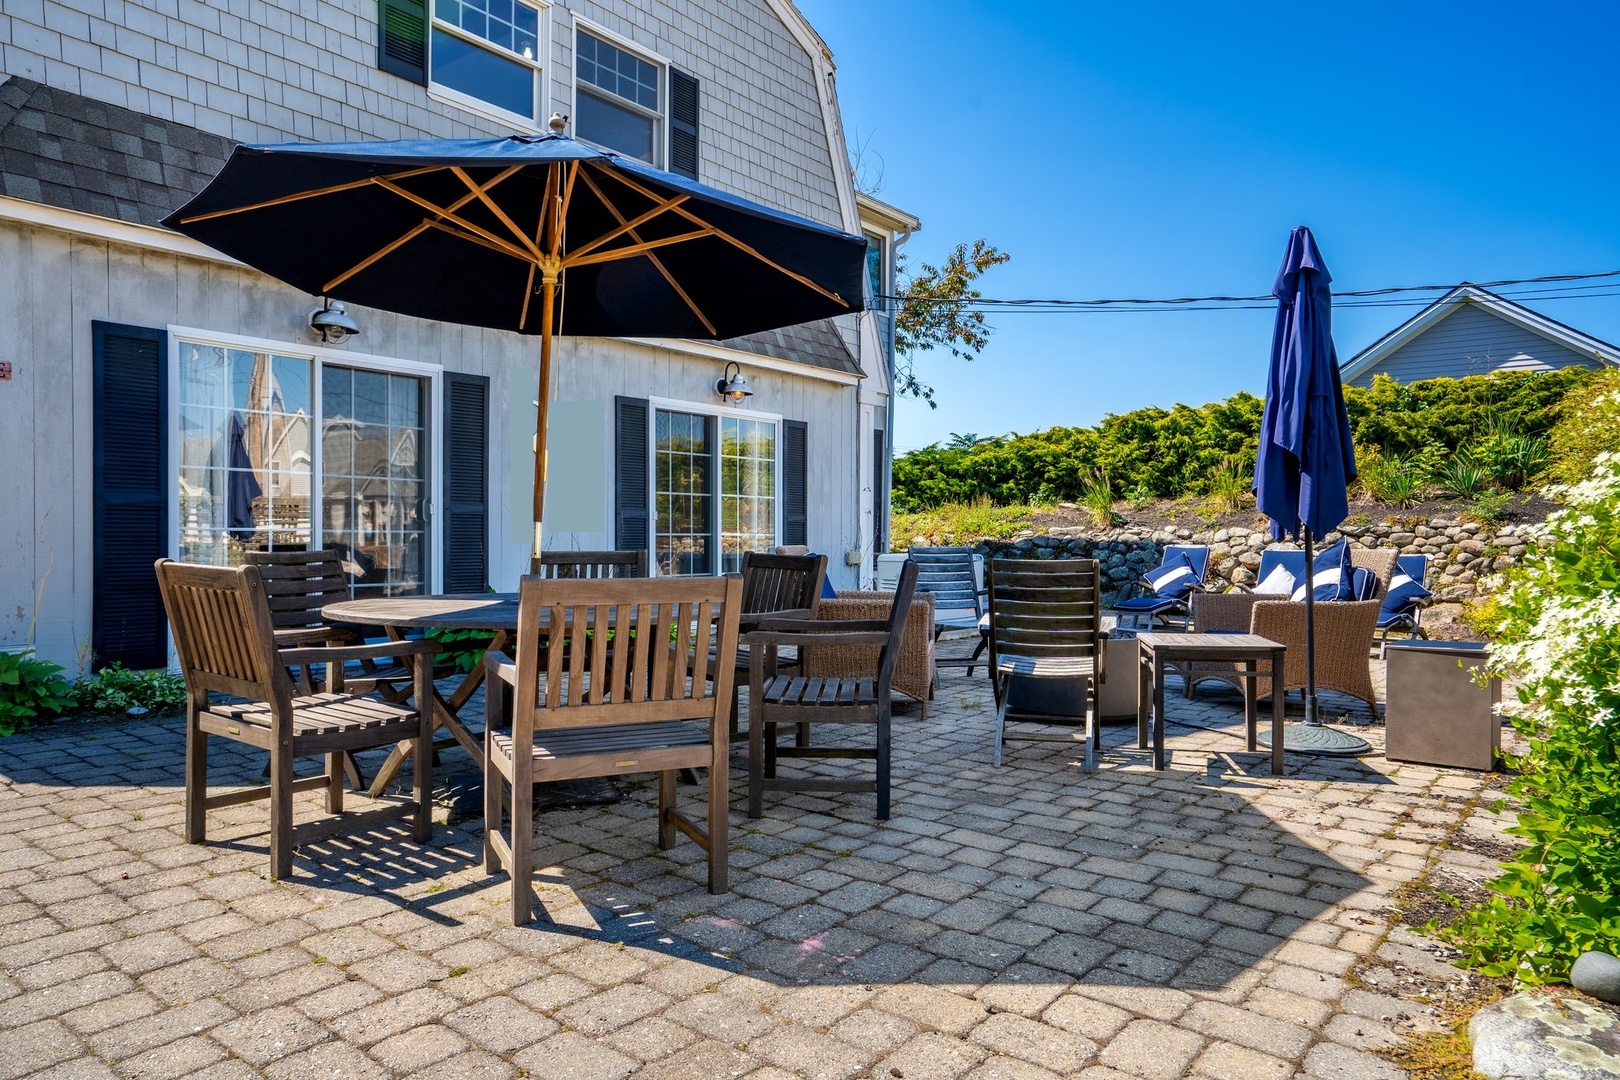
[[1382, 297]]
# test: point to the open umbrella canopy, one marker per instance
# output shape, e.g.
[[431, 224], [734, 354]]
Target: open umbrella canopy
[[455, 231], [1306, 459]]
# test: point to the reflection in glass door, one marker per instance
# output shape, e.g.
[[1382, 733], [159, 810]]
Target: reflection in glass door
[[245, 453], [682, 502], [373, 478]]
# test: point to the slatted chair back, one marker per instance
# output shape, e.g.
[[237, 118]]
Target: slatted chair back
[[1044, 609], [632, 647], [299, 583], [899, 612], [947, 574], [781, 583], [223, 631], [573, 565]]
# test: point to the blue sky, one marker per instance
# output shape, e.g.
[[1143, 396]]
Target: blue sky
[[1166, 149]]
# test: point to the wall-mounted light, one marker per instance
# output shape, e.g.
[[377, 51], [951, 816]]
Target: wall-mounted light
[[332, 322], [731, 386]]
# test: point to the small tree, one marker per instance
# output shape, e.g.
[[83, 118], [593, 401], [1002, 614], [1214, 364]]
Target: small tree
[[936, 313]]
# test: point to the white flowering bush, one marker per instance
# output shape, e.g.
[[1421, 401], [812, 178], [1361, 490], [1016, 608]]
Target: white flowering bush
[[1555, 624]]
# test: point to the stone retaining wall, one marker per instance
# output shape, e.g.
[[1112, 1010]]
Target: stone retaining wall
[[1460, 553]]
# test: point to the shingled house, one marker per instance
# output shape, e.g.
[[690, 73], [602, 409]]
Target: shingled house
[[157, 398]]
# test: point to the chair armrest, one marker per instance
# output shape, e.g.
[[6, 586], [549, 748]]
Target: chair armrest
[[497, 665], [818, 626], [338, 653]]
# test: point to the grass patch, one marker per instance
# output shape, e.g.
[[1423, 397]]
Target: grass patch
[[1443, 1055], [956, 523]]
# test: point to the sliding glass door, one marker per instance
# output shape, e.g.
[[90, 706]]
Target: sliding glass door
[[714, 491], [250, 470]]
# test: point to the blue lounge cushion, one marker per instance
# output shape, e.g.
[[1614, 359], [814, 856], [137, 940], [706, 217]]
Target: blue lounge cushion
[[1404, 593], [1332, 576], [1174, 580], [1151, 604]]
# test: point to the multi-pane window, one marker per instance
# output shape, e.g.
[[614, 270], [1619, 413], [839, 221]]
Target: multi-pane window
[[682, 493], [373, 486], [619, 104], [747, 489], [245, 453], [488, 50], [252, 477], [703, 464]]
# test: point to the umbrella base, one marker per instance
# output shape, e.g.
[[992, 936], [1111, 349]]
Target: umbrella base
[[1318, 739]]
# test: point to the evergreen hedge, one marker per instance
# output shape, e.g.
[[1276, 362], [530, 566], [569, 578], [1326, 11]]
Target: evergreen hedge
[[1169, 453]]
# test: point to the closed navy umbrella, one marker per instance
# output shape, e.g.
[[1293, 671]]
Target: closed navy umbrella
[[484, 232], [1306, 458]]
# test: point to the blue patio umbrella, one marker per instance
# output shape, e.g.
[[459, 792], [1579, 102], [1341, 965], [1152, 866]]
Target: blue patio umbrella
[[1306, 458], [538, 234], [242, 485]]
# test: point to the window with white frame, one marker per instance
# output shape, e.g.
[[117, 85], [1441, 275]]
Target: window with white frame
[[714, 490], [618, 100], [488, 51], [280, 449]]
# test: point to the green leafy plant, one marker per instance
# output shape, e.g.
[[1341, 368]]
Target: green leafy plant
[[1392, 478], [1555, 620], [1139, 496], [1462, 477], [1231, 485], [1588, 424], [1098, 500], [117, 689], [30, 689], [1489, 507], [463, 649]]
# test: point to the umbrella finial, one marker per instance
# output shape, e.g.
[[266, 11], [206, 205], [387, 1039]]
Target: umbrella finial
[[557, 122]]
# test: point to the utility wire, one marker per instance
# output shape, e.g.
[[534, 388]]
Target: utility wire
[[1390, 297]]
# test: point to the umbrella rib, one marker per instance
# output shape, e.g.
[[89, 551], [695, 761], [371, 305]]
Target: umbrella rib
[[413, 233], [350, 186], [483, 197], [482, 241], [734, 242], [638, 249], [445, 214], [626, 226]]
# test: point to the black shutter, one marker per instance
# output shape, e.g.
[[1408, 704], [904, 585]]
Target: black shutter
[[880, 517], [795, 499], [630, 494], [466, 483], [402, 38], [683, 124], [131, 495]]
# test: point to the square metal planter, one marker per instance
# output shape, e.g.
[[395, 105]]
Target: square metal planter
[[1436, 714]]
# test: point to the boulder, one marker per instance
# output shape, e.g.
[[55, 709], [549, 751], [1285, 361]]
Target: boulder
[[1539, 1036], [1598, 974]]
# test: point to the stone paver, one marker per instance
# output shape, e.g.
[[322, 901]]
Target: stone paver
[[1021, 922]]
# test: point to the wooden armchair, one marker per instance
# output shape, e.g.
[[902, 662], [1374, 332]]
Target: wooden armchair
[[618, 700], [1046, 623], [914, 672], [224, 635], [589, 564], [797, 701]]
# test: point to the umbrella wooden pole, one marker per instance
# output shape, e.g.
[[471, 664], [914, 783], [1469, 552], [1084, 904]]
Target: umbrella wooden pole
[[1310, 632], [548, 301]]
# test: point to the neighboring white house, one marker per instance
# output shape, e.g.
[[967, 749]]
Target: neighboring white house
[[164, 400], [1473, 331]]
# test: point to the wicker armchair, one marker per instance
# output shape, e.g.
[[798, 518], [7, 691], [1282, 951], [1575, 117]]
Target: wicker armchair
[[914, 671], [1344, 632]]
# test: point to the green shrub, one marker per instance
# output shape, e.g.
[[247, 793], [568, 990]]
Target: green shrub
[[30, 689], [1463, 478], [1555, 621], [1231, 484], [1170, 453], [116, 689], [1391, 478], [1588, 424], [464, 648]]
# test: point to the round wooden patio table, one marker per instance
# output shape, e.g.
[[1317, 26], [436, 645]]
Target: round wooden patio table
[[496, 613]]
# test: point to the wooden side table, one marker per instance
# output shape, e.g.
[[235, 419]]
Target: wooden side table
[[1246, 651]]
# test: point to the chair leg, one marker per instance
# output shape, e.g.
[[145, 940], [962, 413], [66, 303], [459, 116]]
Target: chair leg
[[666, 809], [720, 818], [423, 825], [494, 700], [883, 762], [1001, 725], [281, 811], [1093, 728], [984, 642], [334, 783], [522, 845], [756, 766], [770, 750], [196, 779]]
